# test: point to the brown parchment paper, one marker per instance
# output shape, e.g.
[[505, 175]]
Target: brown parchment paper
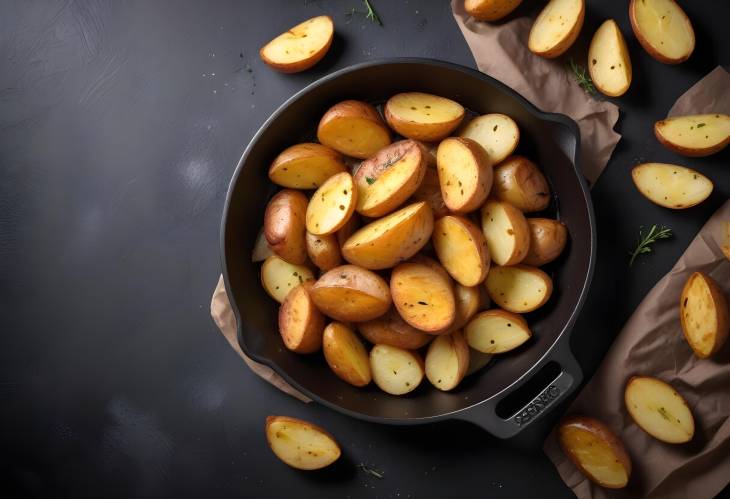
[[709, 95]]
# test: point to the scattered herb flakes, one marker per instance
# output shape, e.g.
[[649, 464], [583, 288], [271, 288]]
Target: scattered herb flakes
[[371, 471], [370, 180], [700, 125], [645, 240], [581, 77], [370, 13], [664, 413], [422, 303]]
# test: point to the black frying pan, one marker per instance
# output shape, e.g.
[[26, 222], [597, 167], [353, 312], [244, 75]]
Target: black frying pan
[[502, 398]]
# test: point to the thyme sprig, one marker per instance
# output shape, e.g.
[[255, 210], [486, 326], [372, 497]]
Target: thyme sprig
[[371, 471], [645, 240], [370, 13], [582, 77]]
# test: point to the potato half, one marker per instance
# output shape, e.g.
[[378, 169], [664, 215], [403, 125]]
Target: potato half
[[497, 133], [595, 450], [350, 293], [468, 301], [284, 225], [430, 192], [490, 10], [447, 361], [324, 251], [261, 249], [609, 62], [663, 29], [300, 47], [519, 289], [557, 27], [671, 186], [694, 135], [391, 329], [704, 315], [520, 182], [497, 331], [548, 238], [422, 116], [423, 296], [506, 231], [462, 249], [331, 205], [279, 277], [353, 128], [465, 174], [391, 239], [300, 322], [659, 410], [305, 166], [300, 444], [346, 355], [350, 227], [387, 180], [395, 370]]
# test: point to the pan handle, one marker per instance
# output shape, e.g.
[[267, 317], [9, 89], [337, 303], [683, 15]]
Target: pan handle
[[541, 402]]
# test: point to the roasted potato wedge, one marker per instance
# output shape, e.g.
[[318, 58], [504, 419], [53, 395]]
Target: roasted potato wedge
[[331, 205], [350, 293], [465, 174], [422, 116], [261, 249], [391, 329], [609, 62], [671, 186], [423, 296], [498, 135], [557, 27], [324, 251], [300, 322], [305, 166], [704, 315], [462, 249], [506, 231], [447, 360], [595, 450], [300, 444], [547, 241], [391, 239], [353, 128], [300, 47], [497, 331], [279, 277], [468, 301], [659, 410], [518, 289], [284, 225], [387, 180], [663, 29], [430, 192], [519, 182], [396, 371], [694, 135], [346, 355], [490, 10]]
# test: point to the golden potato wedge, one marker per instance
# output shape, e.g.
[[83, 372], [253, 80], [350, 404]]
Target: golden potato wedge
[[704, 315], [506, 231], [350, 293], [477, 361], [609, 62], [498, 135], [557, 27], [391, 239], [447, 361], [387, 180], [518, 289], [663, 29], [430, 192], [694, 135], [305, 166], [462, 249], [324, 251], [300, 322], [547, 241], [353, 128], [300, 444], [595, 450], [284, 225], [671, 186], [519, 182], [423, 297], [350, 227], [490, 10], [465, 174], [659, 410], [497, 331], [422, 116], [391, 329], [468, 301], [300, 47], [278, 277], [331, 205], [396, 371], [346, 355], [261, 249]]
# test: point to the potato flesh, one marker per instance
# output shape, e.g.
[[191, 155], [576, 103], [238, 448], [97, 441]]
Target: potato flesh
[[346, 355], [608, 60], [261, 249], [353, 136], [463, 256], [458, 173], [300, 323], [279, 277], [348, 304], [665, 27], [395, 370], [496, 133], [595, 455], [517, 289], [659, 410], [423, 298], [301, 445], [331, 205], [696, 131], [424, 108], [500, 332], [445, 367], [671, 186], [309, 166], [554, 23], [501, 234], [374, 192], [300, 42], [700, 316]]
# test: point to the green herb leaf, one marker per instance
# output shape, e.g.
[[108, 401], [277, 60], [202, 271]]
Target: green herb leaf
[[370, 180], [581, 77], [371, 471], [369, 13], [700, 125], [645, 240]]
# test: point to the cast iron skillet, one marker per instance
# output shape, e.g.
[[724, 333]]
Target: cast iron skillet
[[551, 140]]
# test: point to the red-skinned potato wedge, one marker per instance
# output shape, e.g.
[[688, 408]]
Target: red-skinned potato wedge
[[490, 10], [391, 329], [465, 174], [300, 444], [430, 192], [331, 205], [547, 241], [519, 288], [497, 133], [423, 296], [557, 27], [261, 249], [346, 355], [506, 231], [663, 29], [278, 277], [694, 135], [300, 322], [595, 450], [462, 249], [447, 361], [324, 251], [284, 225], [353, 128], [305, 166], [704, 315], [422, 116], [300, 47], [396, 371], [497, 331], [609, 62], [350, 293], [659, 410], [671, 186], [520, 182]]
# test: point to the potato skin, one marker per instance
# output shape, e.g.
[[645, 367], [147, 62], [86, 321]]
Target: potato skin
[[353, 109], [427, 132], [547, 241], [518, 181], [342, 349], [698, 152], [301, 65], [324, 251], [721, 311], [648, 46], [270, 431], [350, 293], [298, 152], [391, 329], [490, 10], [566, 42], [284, 225], [497, 297], [299, 307], [430, 192]]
